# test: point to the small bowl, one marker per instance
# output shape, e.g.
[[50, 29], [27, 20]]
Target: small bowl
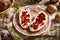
[[7, 8]]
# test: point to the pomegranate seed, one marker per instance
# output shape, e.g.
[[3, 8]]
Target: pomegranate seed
[[41, 16], [35, 26], [24, 18], [23, 13], [39, 20]]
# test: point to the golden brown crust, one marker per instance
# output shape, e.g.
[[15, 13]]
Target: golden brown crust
[[51, 8], [57, 17]]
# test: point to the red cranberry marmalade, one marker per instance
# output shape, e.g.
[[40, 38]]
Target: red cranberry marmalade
[[38, 21], [25, 18]]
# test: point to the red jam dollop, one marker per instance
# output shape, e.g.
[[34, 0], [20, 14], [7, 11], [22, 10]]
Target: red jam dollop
[[25, 18], [38, 21]]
